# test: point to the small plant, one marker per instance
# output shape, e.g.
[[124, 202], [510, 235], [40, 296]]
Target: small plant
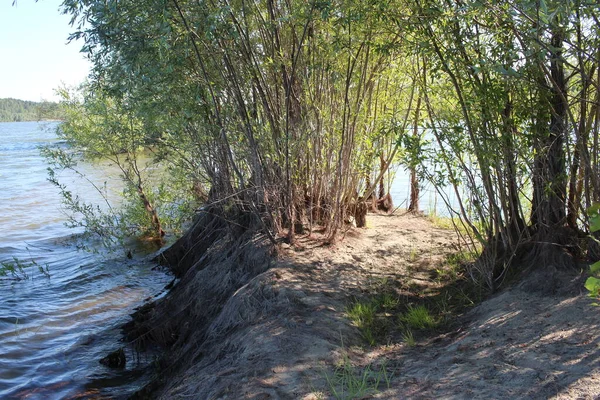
[[362, 314], [17, 269], [413, 255], [593, 282], [347, 382], [409, 338], [388, 301], [371, 316], [418, 318]]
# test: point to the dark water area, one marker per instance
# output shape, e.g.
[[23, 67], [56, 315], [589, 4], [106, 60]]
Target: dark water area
[[54, 329]]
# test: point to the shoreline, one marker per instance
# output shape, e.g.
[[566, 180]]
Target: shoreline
[[281, 328]]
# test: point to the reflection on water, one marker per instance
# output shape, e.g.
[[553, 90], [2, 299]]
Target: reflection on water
[[54, 331]]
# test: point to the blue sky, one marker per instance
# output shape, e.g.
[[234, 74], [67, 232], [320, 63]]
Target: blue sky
[[34, 56]]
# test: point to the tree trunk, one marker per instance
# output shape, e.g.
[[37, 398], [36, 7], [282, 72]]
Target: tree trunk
[[550, 183], [414, 191], [414, 180]]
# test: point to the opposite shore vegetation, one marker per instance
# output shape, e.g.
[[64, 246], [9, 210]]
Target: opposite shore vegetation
[[283, 118]]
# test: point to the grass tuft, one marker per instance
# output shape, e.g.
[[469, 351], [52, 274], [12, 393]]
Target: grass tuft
[[362, 315], [409, 338], [349, 382], [419, 318]]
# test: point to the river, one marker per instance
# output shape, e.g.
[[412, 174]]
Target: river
[[55, 328]]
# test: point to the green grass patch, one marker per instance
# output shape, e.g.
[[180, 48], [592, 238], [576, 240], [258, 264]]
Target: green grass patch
[[409, 338], [370, 316], [362, 315], [418, 317], [407, 311], [350, 382]]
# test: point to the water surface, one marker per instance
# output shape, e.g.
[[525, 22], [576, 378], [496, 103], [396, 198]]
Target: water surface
[[54, 330]]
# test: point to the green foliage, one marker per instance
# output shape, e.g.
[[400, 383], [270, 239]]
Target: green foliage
[[294, 110], [409, 338], [13, 110], [387, 301], [592, 284], [453, 268], [369, 315], [362, 315], [101, 128], [22, 270]]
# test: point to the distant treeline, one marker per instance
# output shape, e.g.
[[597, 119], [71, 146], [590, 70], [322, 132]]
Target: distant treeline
[[13, 110]]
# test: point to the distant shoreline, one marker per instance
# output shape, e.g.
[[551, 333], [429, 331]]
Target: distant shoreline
[[32, 120], [14, 110]]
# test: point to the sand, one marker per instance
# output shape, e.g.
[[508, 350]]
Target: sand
[[285, 333]]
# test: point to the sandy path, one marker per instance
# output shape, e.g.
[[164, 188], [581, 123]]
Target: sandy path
[[292, 329]]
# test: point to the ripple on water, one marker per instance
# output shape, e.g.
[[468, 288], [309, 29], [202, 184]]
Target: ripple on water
[[54, 330]]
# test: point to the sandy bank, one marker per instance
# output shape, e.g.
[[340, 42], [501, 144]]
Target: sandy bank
[[246, 321]]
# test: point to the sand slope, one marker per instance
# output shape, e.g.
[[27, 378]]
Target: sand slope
[[282, 334]]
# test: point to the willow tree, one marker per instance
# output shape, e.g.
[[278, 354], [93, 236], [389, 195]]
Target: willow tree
[[515, 132], [273, 105], [100, 129]]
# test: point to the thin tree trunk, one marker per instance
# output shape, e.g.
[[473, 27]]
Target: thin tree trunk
[[414, 179], [550, 187]]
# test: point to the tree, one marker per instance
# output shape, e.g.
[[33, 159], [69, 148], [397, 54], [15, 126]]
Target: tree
[[101, 128], [276, 100], [292, 112]]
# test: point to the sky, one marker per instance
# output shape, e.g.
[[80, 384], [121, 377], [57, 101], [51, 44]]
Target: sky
[[35, 58]]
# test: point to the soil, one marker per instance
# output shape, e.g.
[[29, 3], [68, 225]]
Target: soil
[[282, 331]]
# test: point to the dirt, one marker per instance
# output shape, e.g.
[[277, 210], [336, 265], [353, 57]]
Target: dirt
[[284, 333]]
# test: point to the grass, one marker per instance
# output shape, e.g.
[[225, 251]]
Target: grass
[[441, 222], [418, 317], [452, 223], [362, 314], [369, 316], [413, 255], [409, 338], [453, 268], [372, 318], [407, 311], [461, 258], [388, 301], [350, 382]]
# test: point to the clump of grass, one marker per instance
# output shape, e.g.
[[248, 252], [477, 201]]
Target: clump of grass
[[441, 222], [388, 301], [418, 318], [413, 255], [362, 315], [349, 382], [409, 338], [460, 258]]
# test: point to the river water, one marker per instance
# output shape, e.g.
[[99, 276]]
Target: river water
[[54, 329]]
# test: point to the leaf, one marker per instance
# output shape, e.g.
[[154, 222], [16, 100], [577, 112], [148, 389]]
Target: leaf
[[593, 285], [595, 267], [595, 224], [594, 214], [593, 209]]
